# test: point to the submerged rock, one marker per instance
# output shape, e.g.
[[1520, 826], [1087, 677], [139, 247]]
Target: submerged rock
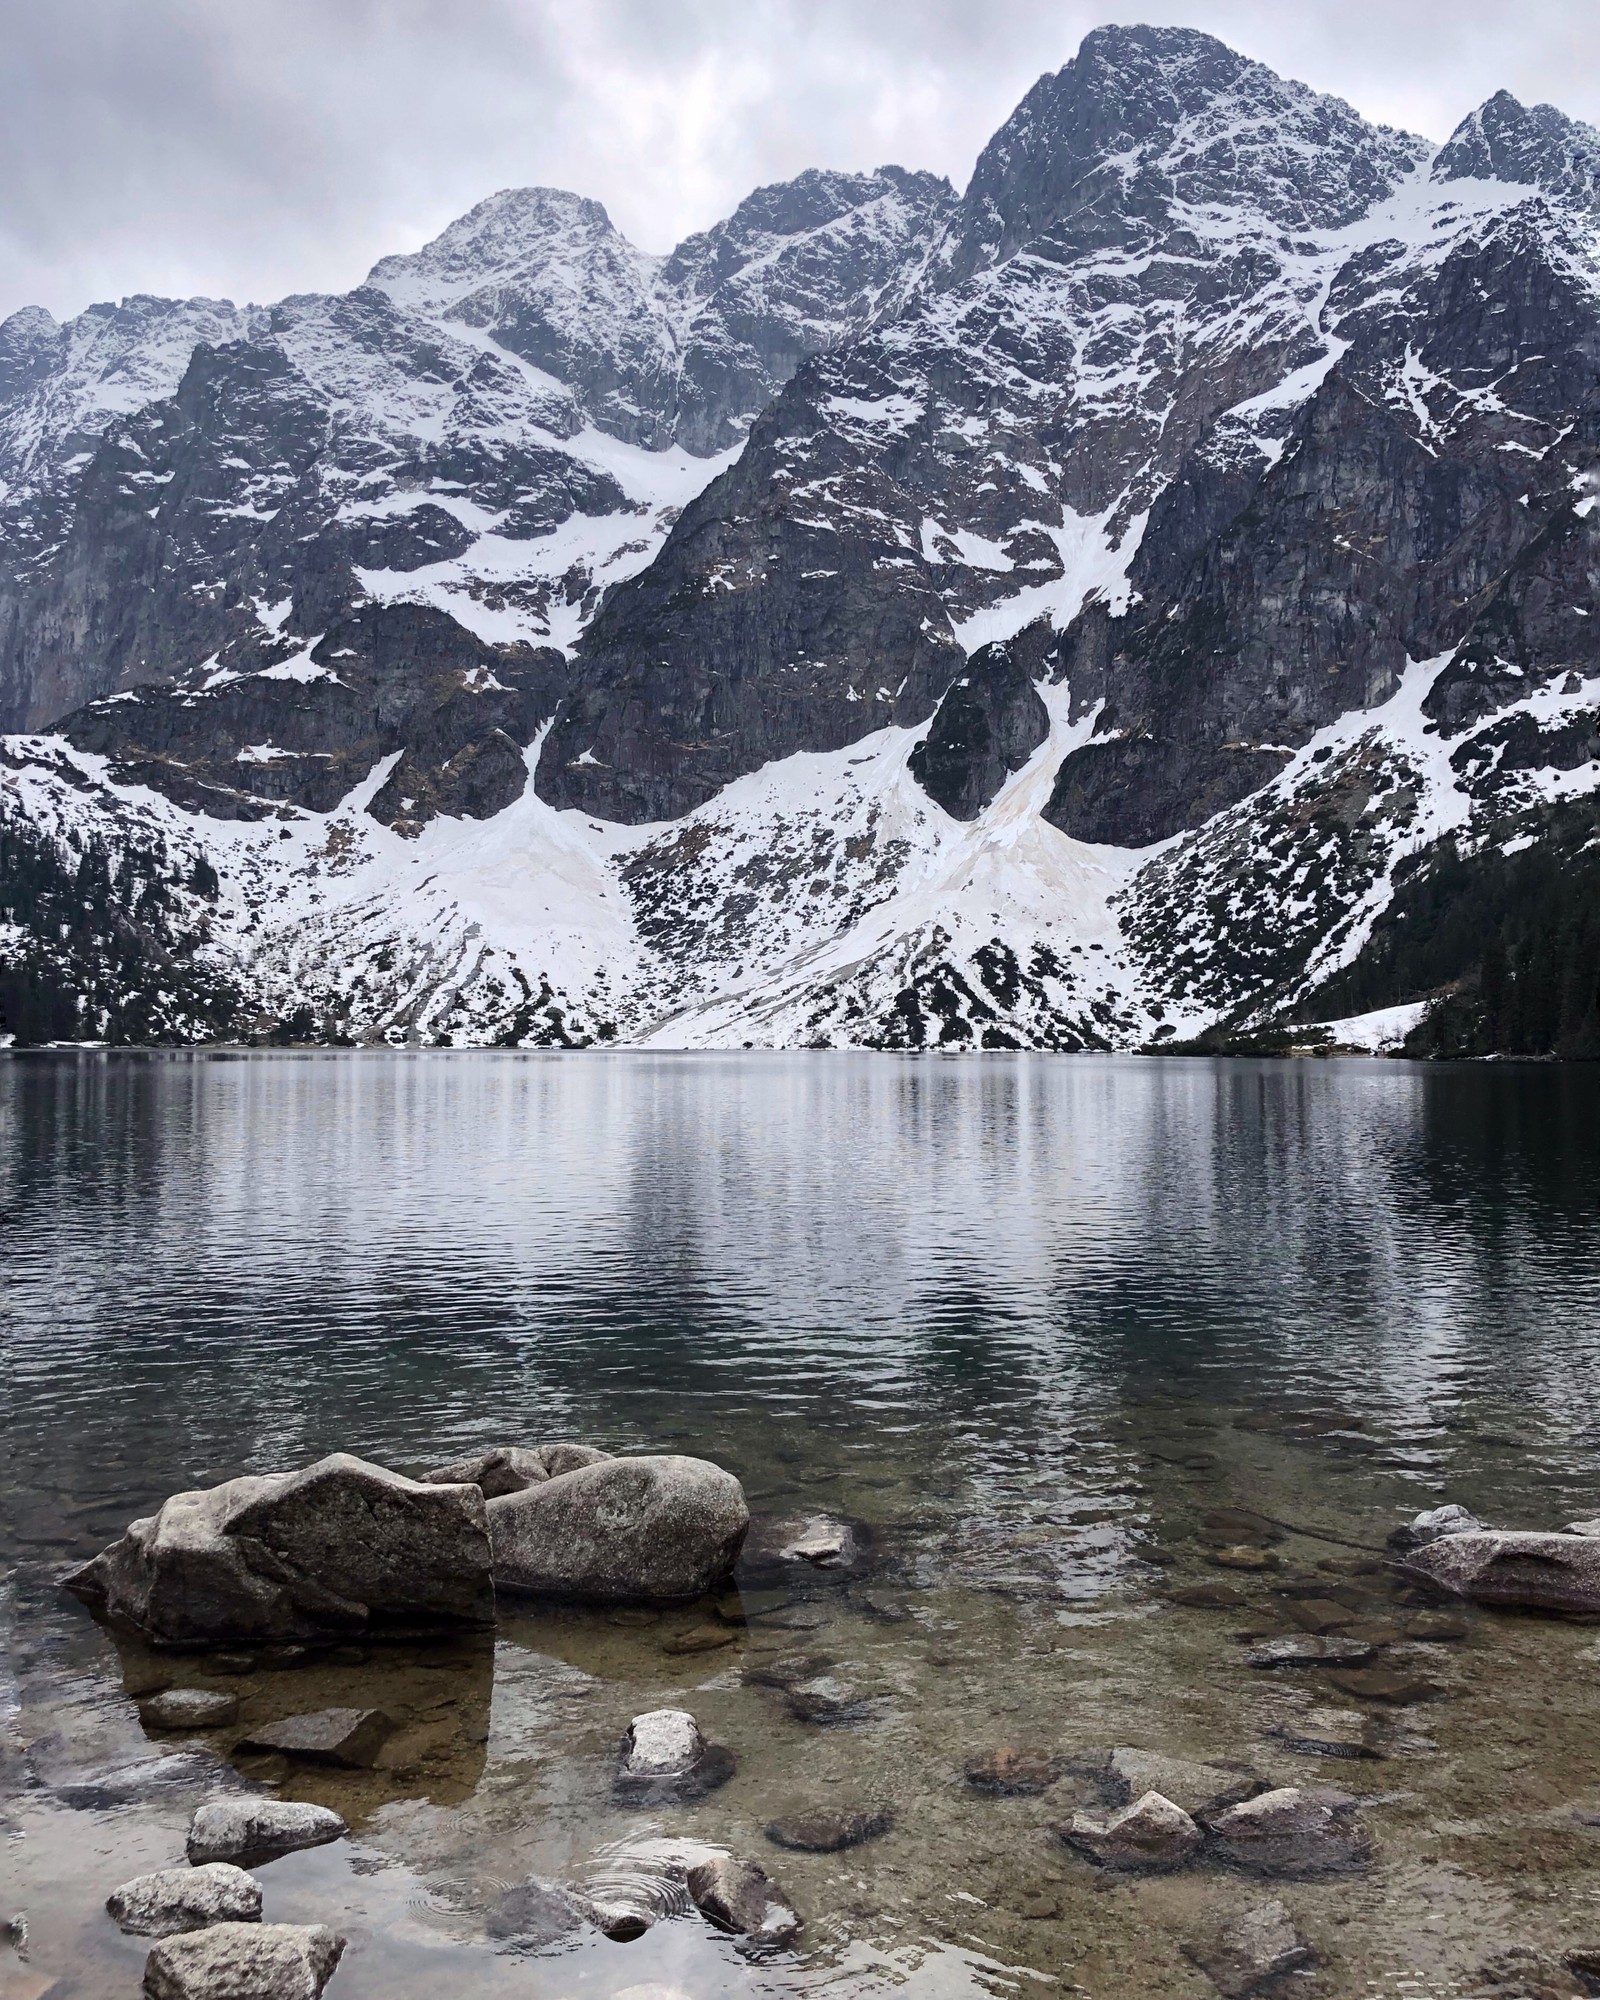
[[1383, 1684], [1522, 1973], [189, 1708], [830, 1703], [798, 1547], [534, 1914], [250, 1831], [244, 1962], [348, 1736], [1429, 1527], [1011, 1771], [1535, 1572], [513, 1468], [1292, 1832], [1241, 1954], [1195, 1786], [819, 1831], [649, 1530], [185, 1899], [339, 1549], [665, 1757], [1150, 1833], [153, 1778], [1328, 1732], [1309, 1652], [741, 1897]]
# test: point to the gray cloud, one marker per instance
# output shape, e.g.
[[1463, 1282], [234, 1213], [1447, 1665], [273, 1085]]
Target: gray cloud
[[252, 150]]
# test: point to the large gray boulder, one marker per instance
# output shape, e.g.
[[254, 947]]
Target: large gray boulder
[[250, 1831], [340, 1549], [244, 1962], [649, 1530], [1534, 1571], [173, 1900], [513, 1468]]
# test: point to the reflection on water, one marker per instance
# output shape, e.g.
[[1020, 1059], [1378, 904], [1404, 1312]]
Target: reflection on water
[[1043, 1326]]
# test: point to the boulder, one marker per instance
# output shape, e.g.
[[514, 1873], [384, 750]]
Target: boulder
[[741, 1897], [1012, 1771], [340, 1549], [821, 1831], [666, 1758], [351, 1737], [250, 1831], [185, 1899], [1429, 1527], [1534, 1572], [1291, 1832], [513, 1468], [1151, 1833], [244, 1962], [189, 1708], [651, 1530], [1241, 1954], [1197, 1787]]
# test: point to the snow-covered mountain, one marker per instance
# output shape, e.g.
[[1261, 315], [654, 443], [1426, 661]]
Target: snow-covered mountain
[[1075, 614]]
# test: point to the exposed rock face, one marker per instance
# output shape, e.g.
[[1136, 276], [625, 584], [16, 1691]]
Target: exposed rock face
[[648, 1530], [1292, 1832], [741, 1897], [348, 1736], [1536, 1572], [228, 1961], [1150, 1833], [250, 1831], [185, 1899], [514, 1468], [340, 1549], [1244, 1953]]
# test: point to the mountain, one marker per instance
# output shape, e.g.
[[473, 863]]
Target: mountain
[[1131, 601]]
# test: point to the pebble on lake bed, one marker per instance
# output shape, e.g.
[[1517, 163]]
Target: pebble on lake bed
[[1310, 1652], [185, 1899], [1292, 1832], [821, 1831], [233, 1961], [1328, 1732], [1011, 1771], [351, 1737]]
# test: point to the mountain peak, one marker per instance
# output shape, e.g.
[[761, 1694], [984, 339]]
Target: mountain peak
[[1537, 145], [1144, 115]]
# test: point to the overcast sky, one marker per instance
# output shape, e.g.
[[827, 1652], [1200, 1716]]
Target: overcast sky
[[250, 148]]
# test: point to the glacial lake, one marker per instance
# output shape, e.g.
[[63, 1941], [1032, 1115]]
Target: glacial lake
[[1043, 1327]]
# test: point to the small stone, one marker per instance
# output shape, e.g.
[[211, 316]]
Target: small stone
[[351, 1737], [1283, 1653], [1289, 1831], [1385, 1685], [700, 1639], [1039, 1909], [1241, 1556], [829, 1703], [189, 1708], [740, 1897], [1243, 1953], [1207, 1596], [250, 1831], [185, 1899], [786, 1670], [820, 1831], [1436, 1628], [1521, 1973], [232, 1663], [1319, 1615], [1151, 1833], [1240, 1524], [1436, 1522], [665, 1757], [796, 1618], [244, 1962], [1011, 1771], [886, 1610], [1328, 1732]]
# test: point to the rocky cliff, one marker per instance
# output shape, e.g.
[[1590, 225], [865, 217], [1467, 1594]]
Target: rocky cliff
[[1068, 614]]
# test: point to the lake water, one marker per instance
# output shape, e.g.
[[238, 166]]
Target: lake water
[[1030, 1320]]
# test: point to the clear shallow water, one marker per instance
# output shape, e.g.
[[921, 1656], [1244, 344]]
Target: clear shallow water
[[1028, 1318]]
